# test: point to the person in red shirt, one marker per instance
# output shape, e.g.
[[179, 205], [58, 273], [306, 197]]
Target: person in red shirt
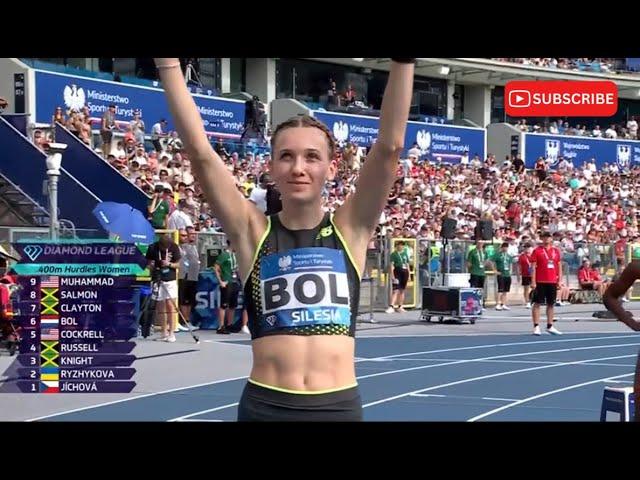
[[524, 261], [545, 278], [620, 248], [589, 278]]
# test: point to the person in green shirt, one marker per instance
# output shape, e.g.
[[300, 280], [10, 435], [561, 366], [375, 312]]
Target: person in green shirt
[[503, 262], [159, 209], [226, 270], [476, 260], [399, 276]]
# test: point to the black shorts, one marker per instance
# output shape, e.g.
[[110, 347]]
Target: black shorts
[[504, 284], [526, 281], [187, 290], [586, 286], [106, 136], [261, 404], [229, 295], [545, 293], [403, 278], [476, 281]]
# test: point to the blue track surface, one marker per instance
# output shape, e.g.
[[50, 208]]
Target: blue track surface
[[456, 378]]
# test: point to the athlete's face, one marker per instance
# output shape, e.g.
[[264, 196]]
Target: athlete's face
[[301, 164]]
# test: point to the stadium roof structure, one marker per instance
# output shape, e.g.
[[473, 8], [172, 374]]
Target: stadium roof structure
[[484, 71]]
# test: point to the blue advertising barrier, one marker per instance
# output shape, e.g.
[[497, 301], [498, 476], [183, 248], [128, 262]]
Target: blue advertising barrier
[[444, 141], [96, 175], [222, 117], [205, 312], [626, 153], [19, 122]]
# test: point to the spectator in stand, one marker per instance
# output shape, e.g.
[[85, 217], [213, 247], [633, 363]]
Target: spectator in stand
[[119, 150], [349, 96], [39, 139], [58, 117], [632, 127], [107, 126], [137, 127], [140, 155], [611, 132], [72, 122], [174, 142], [158, 133], [83, 129], [221, 149], [180, 218], [159, 208]]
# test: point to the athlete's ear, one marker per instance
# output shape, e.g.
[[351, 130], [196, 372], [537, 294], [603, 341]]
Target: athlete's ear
[[333, 169]]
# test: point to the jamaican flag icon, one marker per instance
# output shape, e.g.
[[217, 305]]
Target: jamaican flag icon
[[49, 301], [49, 353]]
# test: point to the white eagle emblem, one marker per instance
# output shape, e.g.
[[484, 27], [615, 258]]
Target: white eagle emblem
[[74, 97], [341, 131], [623, 155], [285, 262], [423, 139], [552, 151]]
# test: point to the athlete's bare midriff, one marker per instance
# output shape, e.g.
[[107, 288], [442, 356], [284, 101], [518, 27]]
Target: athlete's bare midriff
[[304, 363]]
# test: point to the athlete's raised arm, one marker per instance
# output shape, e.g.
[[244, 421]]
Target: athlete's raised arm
[[234, 213], [359, 216]]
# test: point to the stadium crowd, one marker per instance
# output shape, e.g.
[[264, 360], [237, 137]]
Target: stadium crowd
[[578, 204], [628, 131], [603, 65]]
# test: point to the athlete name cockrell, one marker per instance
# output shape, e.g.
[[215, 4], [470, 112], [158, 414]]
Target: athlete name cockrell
[[81, 334]]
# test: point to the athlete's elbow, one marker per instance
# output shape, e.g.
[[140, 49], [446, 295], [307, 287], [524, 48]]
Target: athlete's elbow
[[390, 148]]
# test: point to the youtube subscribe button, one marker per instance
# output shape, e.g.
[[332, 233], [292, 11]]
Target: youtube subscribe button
[[561, 99]]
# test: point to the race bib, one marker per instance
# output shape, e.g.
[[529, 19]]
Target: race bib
[[550, 265], [303, 287]]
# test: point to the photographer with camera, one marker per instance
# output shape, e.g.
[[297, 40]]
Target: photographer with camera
[[163, 261]]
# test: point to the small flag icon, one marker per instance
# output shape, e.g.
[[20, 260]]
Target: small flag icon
[[50, 282]]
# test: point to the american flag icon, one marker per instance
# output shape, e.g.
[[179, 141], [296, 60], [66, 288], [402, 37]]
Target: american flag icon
[[50, 282], [50, 334]]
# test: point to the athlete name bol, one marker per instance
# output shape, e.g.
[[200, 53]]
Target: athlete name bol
[[305, 287]]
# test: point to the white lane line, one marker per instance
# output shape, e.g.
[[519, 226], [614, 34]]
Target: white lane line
[[546, 394]]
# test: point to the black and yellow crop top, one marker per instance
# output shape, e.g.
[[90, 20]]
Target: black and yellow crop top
[[302, 282]]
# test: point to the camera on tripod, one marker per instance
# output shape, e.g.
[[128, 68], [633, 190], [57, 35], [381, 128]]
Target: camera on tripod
[[255, 120]]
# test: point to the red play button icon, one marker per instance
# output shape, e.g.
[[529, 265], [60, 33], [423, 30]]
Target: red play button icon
[[560, 98], [519, 98]]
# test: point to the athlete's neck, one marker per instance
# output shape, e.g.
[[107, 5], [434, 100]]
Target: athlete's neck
[[303, 217]]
